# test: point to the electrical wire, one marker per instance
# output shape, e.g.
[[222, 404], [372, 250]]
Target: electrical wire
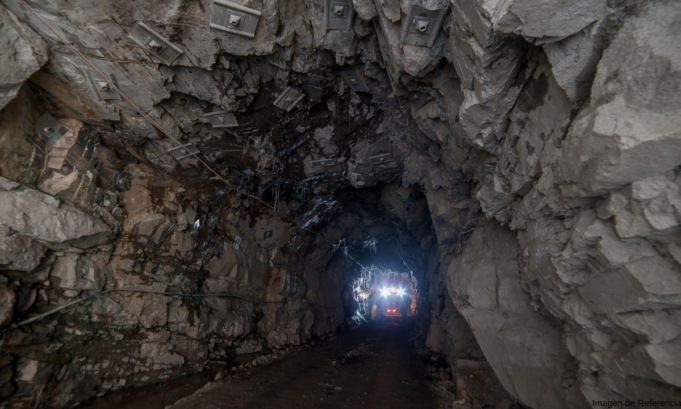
[[61, 307], [160, 127], [176, 140], [137, 108], [132, 290]]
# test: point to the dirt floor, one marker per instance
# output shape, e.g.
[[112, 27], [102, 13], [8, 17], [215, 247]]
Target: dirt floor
[[370, 366]]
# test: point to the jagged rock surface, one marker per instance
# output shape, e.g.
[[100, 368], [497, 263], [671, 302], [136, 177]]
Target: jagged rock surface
[[539, 179], [24, 52]]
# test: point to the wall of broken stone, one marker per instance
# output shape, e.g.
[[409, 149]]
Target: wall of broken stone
[[555, 121], [96, 225], [569, 287]]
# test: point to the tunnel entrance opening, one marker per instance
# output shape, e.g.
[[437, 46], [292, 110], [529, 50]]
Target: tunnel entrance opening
[[383, 293]]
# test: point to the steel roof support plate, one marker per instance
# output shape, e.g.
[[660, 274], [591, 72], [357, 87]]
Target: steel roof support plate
[[288, 99], [421, 26], [102, 89], [355, 81], [338, 15], [222, 119], [182, 152], [323, 163], [233, 18], [49, 129], [382, 158], [154, 43]]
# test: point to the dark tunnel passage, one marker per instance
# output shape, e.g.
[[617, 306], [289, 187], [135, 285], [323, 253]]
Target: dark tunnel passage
[[460, 204]]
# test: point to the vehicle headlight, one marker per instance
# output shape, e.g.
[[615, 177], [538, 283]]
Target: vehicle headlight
[[385, 292], [401, 291]]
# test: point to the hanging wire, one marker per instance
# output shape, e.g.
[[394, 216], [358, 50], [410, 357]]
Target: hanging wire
[[306, 192], [135, 106]]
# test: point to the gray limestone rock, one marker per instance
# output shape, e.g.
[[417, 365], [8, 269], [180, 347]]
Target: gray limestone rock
[[574, 59], [516, 339], [631, 118], [19, 253], [542, 21], [7, 298], [521, 345], [23, 53], [45, 219], [79, 272], [365, 9]]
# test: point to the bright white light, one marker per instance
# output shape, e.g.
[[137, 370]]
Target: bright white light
[[385, 292], [401, 291]]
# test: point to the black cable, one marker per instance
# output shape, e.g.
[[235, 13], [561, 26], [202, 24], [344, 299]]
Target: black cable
[[126, 290]]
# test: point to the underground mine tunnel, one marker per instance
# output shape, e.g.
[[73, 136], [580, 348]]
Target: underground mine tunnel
[[457, 204]]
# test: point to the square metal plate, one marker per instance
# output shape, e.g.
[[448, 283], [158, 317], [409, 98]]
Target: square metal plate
[[154, 43], [233, 18], [422, 25], [288, 99], [418, 99], [49, 129], [355, 81], [101, 88], [338, 14], [323, 163], [222, 119], [180, 152]]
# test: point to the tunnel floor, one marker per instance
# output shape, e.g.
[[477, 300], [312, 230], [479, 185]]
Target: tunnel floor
[[370, 366]]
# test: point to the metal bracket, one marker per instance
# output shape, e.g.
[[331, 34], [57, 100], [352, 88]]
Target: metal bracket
[[122, 181], [49, 129], [267, 234], [183, 152], [233, 18], [338, 15], [382, 158], [323, 163], [355, 81], [422, 25], [154, 43], [418, 99], [288, 99], [222, 119], [237, 242], [101, 88]]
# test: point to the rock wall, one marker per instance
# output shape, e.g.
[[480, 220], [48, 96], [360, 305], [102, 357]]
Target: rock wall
[[540, 137], [570, 287], [139, 237], [24, 52]]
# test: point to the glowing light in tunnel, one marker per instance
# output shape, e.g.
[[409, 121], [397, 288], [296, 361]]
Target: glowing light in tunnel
[[385, 292], [401, 292]]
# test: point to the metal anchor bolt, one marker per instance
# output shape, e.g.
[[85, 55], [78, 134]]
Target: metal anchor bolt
[[154, 45], [234, 21]]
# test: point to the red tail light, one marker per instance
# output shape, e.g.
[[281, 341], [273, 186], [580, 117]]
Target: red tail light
[[388, 310], [394, 310]]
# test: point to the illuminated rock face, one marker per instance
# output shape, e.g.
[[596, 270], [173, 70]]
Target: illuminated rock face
[[525, 166]]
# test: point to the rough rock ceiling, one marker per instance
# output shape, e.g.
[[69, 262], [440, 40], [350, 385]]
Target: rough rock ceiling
[[543, 136]]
